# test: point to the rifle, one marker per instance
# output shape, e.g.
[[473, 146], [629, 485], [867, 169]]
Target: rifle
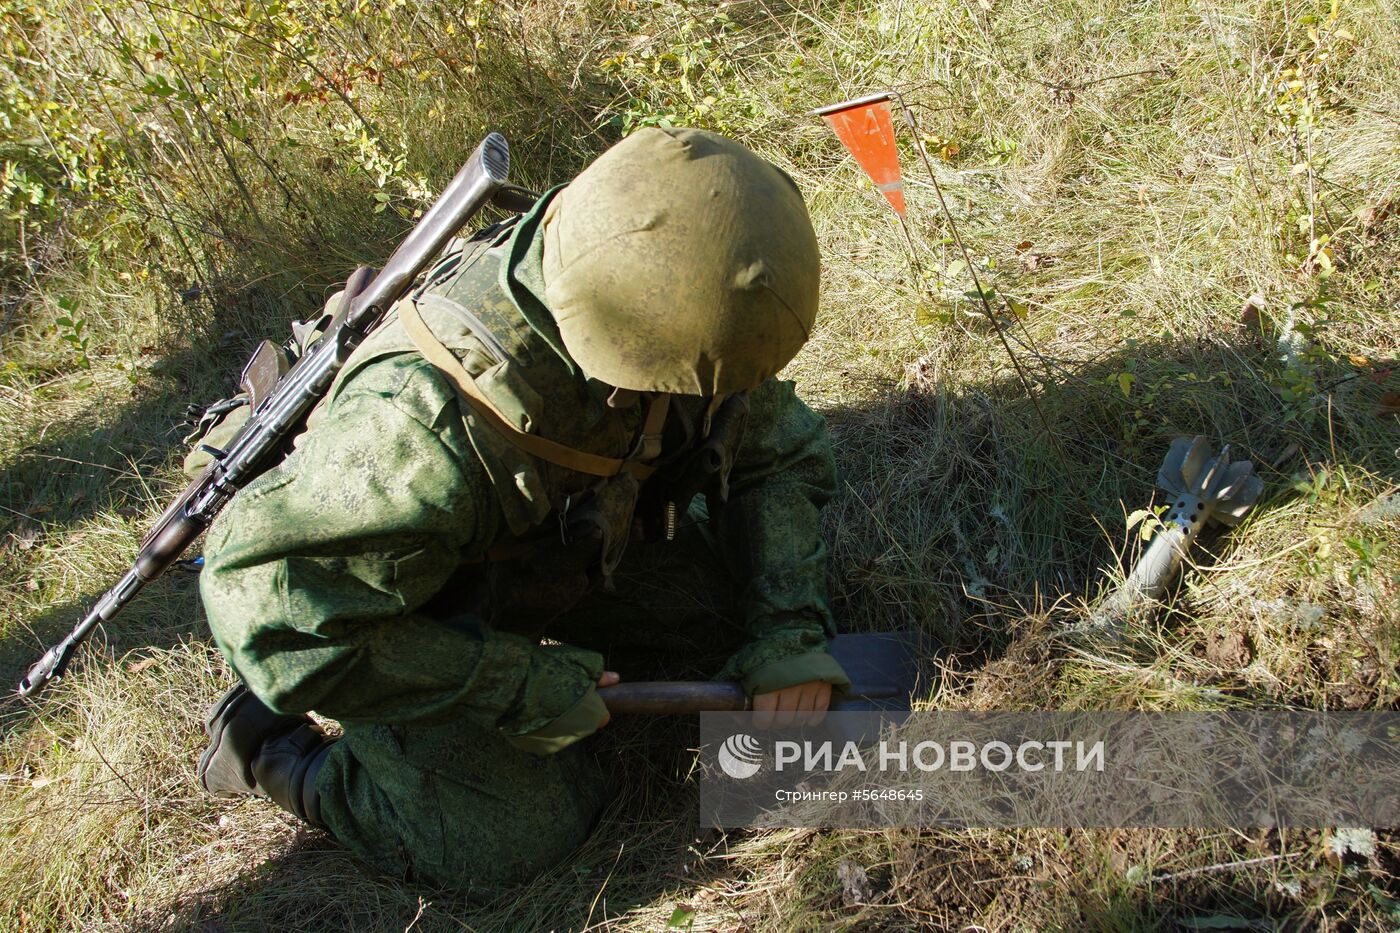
[[281, 412]]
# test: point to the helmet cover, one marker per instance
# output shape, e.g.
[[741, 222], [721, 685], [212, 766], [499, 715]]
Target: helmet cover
[[679, 261]]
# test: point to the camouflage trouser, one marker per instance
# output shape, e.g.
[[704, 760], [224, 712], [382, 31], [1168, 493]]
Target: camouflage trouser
[[458, 805]]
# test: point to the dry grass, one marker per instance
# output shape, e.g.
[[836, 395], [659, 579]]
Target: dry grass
[[1127, 174]]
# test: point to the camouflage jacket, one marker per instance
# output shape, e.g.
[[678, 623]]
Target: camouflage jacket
[[322, 578]]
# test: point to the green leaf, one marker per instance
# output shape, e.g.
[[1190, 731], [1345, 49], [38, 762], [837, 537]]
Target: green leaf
[[928, 315], [682, 917], [157, 86], [1125, 383], [1385, 902]]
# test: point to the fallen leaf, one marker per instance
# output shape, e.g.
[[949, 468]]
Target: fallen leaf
[[1373, 214], [1023, 246], [1380, 375], [1359, 361], [1390, 404]]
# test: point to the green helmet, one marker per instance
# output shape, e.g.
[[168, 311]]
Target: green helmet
[[681, 262]]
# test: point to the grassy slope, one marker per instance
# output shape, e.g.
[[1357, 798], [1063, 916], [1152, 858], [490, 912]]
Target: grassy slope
[[1126, 174]]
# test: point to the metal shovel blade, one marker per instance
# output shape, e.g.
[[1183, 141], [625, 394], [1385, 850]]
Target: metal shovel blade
[[883, 667]]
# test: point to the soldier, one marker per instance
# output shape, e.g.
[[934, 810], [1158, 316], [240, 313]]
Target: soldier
[[439, 563]]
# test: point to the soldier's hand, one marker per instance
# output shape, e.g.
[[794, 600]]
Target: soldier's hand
[[607, 680], [800, 705]]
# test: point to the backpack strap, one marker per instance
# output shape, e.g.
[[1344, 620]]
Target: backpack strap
[[446, 362], [648, 445]]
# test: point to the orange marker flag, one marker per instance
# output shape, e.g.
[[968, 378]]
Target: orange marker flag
[[864, 127]]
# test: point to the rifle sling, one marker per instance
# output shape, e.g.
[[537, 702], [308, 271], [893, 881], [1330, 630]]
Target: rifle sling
[[545, 449]]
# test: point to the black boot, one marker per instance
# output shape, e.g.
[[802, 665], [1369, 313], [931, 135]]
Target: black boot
[[253, 750]]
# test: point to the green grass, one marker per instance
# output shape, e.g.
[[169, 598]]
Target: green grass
[[1141, 181]]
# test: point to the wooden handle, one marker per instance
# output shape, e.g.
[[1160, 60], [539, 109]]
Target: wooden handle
[[666, 698]]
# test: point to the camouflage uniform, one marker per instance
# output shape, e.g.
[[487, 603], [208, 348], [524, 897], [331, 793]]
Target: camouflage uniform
[[397, 571]]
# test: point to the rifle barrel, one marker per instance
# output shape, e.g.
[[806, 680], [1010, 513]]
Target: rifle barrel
[[469, 189]]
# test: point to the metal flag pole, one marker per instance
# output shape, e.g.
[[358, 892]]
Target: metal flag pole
[[864, 127]]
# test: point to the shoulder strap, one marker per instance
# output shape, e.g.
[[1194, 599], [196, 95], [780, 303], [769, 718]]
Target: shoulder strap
[[570, 458]]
